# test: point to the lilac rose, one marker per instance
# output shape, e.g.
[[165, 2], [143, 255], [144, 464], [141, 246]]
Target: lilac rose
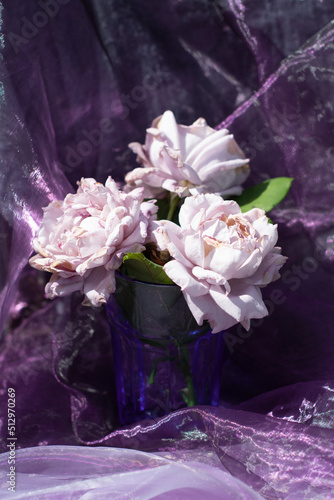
[[187, 160], [221, 258], [83, 239]]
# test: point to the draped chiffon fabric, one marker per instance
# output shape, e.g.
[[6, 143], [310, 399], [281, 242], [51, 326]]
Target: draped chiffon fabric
[[79, 81]]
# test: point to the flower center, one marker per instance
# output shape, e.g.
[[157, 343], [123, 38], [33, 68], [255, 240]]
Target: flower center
[[241, 225], [240, 230], [210, 244]]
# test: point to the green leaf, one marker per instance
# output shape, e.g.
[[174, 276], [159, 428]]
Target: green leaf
[[167, 204], [163, 207], [137, 266], [186, 399], [266, 195], [153, 373], [155, 366]]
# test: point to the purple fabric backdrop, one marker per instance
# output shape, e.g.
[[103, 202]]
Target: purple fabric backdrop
[[79, 80]]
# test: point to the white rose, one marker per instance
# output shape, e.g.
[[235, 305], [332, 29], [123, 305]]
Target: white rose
[[183, 160], [84, 238], [221, 259]]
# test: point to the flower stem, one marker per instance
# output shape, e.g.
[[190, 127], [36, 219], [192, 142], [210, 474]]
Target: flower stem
[[185, 369], [173, 202]]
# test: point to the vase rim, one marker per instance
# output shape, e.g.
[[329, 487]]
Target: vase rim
[[134, 280]]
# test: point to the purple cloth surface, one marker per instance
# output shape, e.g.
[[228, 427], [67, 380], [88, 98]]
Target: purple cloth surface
[[77, 84], [59, 472]]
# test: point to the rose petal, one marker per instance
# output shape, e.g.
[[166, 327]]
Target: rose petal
[[211, 278], [244, 301], [59, 287], [217, 146], [205, 308], [98, 286], [268, 271], [182, 277], [193, 135], [193, 158]]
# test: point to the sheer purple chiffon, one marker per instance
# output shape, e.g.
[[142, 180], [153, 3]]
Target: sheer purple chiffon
[[59, 472], [77, 84]]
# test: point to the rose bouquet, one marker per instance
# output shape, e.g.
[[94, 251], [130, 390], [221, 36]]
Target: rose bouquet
[[180, 225]]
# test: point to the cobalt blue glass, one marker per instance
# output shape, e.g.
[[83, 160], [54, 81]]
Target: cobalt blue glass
[[163, 360]]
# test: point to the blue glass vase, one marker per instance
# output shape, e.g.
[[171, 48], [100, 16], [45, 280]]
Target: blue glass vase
[[163, 360]]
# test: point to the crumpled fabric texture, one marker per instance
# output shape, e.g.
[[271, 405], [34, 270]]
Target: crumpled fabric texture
[[79, 81], [101, 473]]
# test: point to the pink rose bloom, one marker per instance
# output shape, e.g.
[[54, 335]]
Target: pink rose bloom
[[221, 259], [183, 160], [84, 238]]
